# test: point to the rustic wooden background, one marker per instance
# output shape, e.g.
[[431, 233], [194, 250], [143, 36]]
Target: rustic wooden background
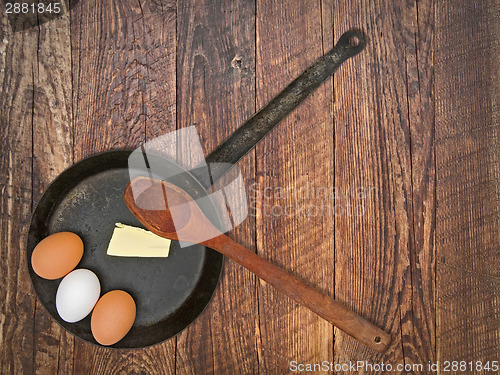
[[415, 116]]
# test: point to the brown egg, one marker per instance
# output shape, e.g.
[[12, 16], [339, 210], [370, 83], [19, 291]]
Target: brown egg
[[113, 316], [57, 255]]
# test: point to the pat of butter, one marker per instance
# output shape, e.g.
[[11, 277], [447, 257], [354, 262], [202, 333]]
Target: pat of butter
[[128, 241]]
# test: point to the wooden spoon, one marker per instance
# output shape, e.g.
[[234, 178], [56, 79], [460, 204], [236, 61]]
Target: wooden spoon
[[191, 225]]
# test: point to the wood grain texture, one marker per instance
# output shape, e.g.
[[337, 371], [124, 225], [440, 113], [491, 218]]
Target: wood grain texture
[[375, 252], [418, 310], [295, 157], [124, 94], [418, 324], [216, 92], [17, 71], [106, 77], [467, 168]]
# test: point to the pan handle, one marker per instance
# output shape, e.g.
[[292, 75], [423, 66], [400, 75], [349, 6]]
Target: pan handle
[[251, 132]]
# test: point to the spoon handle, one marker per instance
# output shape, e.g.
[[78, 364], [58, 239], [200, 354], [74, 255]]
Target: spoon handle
[[261, 123], [333, 311]]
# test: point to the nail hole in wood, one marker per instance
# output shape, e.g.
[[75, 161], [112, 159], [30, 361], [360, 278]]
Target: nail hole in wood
[[377, 339], [237, 62]]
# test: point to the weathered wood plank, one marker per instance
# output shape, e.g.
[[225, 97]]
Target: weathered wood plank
[[17, 71], [156, 63], [468, 181], [124, 94], [107, 108], [52, 153], [108, 87], [294, 229], [216, 92], [418, 312], [374, 241]]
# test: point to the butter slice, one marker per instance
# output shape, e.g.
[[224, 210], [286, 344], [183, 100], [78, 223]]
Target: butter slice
[[128, 241]]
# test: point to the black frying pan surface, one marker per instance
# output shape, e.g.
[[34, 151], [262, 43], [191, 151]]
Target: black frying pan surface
[[170, 293]]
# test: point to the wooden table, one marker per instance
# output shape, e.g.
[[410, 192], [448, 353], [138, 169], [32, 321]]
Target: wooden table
[[407, 134]]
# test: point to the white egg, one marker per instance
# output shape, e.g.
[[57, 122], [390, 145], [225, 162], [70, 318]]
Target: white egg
[[77, 295]]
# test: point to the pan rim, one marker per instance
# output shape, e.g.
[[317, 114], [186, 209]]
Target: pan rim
[[218, 264]]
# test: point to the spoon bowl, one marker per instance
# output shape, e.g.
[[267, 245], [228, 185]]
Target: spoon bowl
[[175, 214]]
